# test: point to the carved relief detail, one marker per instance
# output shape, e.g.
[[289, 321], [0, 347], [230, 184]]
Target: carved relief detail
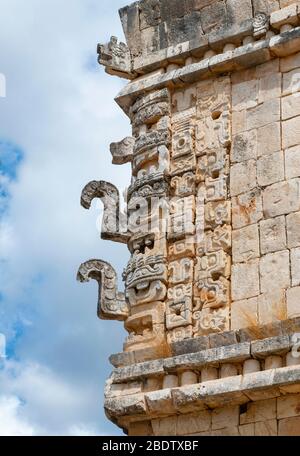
[[122, 152], [111, 304], [116, 58], [114, 224], [261, 25]]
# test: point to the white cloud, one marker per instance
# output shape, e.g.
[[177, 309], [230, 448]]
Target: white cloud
[[11, 423], [61, 113]]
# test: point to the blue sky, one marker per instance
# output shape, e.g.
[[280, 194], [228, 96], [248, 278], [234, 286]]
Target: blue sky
[[56, 123]]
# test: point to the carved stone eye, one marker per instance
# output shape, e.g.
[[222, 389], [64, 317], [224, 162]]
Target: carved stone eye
[[181, 143]]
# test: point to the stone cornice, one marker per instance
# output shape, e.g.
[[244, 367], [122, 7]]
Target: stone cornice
[[245, 56], [235, 390]]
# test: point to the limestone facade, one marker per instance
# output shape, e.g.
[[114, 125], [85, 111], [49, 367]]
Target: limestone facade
[[212, 222]]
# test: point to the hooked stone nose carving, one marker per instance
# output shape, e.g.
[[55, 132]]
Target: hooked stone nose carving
[[114, 224], [111, 303]]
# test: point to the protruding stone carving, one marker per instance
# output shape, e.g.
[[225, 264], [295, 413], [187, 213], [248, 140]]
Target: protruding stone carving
[[116, 58], [184, 185], [145, 278], [212, 293], [179, 306], [111, 304], [150, 108], [122, 152], [114, 225], [210, 321], [181, 271], [216, 263], [261, 24]]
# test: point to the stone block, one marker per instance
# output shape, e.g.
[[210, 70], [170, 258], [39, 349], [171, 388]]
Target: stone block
[[291, 84], [141, 428], [222, 416], [263, 114], [159, 400], [269, 87], [190, 345], [290, 106], [245, 280], [293, 302], [259, 411], [247, 209], [191, 423], [272, 235], [270, 169], [230, 431], [271, 346], [293, 230], [289, 426], [281, 198], [245, 94], [273, 362], [265, 428], [275, 271], [222, 339], [295, 266], [228, 370], [288, 406], [243, 177], [209, 373], [250, 366], [244, 313], [290, 63], [188, 378], [246, 430], [244, 146], [287, 15], [245, 244], [272, 305], [291, 132], [292, 161], [165, 426], [268, 139]]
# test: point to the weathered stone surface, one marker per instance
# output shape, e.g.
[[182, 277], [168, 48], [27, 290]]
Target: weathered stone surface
[[281, 198], [275, 269], [245, 280], [270, 169], [222, 416], [272, 306], [244, 313], [259, 411], [271, 346], [273, 235], [245, 244], [292, 162], [293, 302], [293, 229], [265, 428], [243, 177], [247, 209], [295, 266], [288, 406], [289, 426]]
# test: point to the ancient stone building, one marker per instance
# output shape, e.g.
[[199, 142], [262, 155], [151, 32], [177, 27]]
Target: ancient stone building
[[212, 289]]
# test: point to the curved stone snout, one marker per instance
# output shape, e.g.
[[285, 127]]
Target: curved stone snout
[[111, 303], [122, 151], [114, 224]]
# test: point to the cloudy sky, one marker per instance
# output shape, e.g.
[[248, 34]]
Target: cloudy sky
[[56, 123]]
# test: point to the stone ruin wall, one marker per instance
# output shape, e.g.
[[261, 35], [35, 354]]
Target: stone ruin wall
[[212, 289]]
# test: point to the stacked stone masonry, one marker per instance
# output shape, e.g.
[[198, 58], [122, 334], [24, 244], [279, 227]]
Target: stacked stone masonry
[[212, 222]]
